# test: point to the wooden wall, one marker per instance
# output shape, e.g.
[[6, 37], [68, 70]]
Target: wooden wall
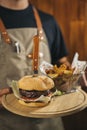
[[71, 15]]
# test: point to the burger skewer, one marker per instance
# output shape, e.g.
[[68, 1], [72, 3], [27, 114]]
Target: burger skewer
[[35, 54]]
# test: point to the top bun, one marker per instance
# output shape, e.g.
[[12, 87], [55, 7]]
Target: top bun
[[40, 83]]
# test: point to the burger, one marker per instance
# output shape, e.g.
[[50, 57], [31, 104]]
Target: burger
[[35, 91]]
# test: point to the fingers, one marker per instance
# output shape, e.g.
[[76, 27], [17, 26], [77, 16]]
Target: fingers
[[5, 91], [2, 92]]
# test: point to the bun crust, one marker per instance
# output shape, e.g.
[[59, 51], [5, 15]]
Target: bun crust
[[40, 83], [33, 104]]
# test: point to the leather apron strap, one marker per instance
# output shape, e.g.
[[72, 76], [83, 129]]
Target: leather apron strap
[[4, 33]]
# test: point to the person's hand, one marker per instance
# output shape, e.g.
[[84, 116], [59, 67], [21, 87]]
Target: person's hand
[[65, 61], [3, 92]]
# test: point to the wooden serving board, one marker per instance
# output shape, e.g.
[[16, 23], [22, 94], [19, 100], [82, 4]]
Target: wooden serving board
[[59, 106]]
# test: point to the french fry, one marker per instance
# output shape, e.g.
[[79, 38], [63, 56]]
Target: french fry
[[57, 71]]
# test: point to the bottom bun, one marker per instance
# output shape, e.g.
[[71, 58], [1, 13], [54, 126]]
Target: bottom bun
[[33, 104]]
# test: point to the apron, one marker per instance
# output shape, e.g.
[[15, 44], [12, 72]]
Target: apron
[[14, 64]]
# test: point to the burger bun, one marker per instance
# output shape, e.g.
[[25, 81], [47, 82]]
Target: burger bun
[[33, 104], [40, 83]]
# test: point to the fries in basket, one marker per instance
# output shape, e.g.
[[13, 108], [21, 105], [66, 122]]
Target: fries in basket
[[65, 78], [58, 71]]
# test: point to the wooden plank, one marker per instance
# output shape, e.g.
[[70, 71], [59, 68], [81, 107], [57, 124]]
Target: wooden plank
[[77, 38]]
